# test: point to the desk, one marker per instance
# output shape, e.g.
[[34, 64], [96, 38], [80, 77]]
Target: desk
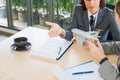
[[16, 65]]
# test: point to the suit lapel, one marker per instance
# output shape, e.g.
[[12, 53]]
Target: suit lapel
[[85, 19], [100, 17]]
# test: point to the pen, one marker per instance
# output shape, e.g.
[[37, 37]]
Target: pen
[[86, 72], [81, 64], [59, 50]]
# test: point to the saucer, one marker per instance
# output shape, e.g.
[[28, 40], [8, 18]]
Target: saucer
[[26, 47]]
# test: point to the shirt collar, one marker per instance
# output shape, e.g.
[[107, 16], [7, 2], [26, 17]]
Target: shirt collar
[[89, 14]]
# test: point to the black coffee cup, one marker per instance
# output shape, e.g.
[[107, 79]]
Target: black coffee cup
[[20, 42]]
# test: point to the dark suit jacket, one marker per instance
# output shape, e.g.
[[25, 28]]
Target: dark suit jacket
[[105, 21]]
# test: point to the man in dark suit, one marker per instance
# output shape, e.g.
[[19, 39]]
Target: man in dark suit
[[102, 19]]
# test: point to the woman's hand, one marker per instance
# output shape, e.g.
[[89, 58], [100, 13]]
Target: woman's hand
[[55, 29], [95, 48]]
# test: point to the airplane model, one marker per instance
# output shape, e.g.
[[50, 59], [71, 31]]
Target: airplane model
[[83, 35]]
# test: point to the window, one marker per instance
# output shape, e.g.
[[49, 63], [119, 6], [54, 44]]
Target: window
[[112, 2], [19, 14]]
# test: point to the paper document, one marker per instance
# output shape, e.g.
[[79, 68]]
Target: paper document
[[52, 48], [67, 74]]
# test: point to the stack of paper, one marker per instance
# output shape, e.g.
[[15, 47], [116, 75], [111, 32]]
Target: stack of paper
[[67, 74], [52, 49]]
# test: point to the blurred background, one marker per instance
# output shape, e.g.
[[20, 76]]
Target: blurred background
[[16, 15]]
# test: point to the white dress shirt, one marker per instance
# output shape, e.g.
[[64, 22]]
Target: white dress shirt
[[95, 17]]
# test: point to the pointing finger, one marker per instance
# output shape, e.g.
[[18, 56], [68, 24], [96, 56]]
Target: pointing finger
[[48, 23]]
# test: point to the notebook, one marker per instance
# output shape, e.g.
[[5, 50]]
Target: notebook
[[52, 49]]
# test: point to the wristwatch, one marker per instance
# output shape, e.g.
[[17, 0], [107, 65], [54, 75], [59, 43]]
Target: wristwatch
[[103, 60]]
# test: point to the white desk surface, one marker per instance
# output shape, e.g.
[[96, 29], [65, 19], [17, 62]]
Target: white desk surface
[[19, 65]]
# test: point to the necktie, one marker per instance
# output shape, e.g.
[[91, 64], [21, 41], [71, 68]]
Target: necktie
[[92, 22]]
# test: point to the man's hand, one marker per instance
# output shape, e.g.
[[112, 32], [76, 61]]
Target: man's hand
[[95, 48], [55, 29]]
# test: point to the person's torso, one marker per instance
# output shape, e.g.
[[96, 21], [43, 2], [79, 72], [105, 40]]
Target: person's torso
[[81, 20]]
